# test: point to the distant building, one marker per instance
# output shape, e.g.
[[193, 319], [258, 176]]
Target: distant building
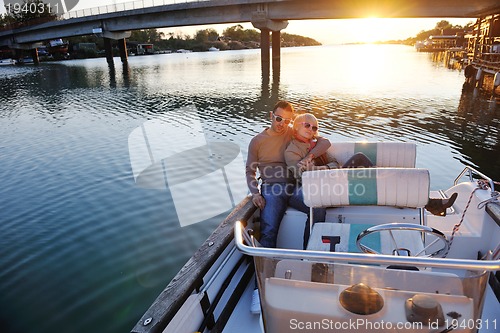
[[144, 49], [85, 46], [136, 48]]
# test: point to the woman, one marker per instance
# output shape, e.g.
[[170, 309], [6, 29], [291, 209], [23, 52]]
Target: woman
[[305, 128]]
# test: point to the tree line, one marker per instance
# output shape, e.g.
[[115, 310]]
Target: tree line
[[232, 38], [443, 27]]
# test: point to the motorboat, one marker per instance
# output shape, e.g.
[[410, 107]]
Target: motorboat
[[57, 46], [380, 262], [9, 61]]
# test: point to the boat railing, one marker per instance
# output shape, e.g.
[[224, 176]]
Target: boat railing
[[473, 171], [362, 258]]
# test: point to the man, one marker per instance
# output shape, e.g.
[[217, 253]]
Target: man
[[266, 153]]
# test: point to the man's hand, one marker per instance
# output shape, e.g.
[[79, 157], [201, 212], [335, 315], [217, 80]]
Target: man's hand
[[258, 200], [308, 159], [307, 163]]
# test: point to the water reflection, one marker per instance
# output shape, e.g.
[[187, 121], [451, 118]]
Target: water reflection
[[270, 93], [479, 134], [125, 75], [71, 214]]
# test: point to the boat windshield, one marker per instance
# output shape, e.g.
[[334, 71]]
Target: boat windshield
[[298, 293]]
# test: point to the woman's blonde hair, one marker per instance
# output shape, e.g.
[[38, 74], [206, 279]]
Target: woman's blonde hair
[[305, 118]]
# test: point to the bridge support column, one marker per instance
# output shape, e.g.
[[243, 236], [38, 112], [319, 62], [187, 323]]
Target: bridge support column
[[115, 35], [264, 50], [34, 55], [21, 50], [265, 25], [122, 46], [276, 51], [109, 50], [19, 55]]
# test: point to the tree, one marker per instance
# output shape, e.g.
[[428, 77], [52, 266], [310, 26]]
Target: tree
[[147, 36], [206, 35], [236, 32], [6, 20], [297, 40], [443, 24]]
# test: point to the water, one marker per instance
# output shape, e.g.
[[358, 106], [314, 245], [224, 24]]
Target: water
[[83, 249]]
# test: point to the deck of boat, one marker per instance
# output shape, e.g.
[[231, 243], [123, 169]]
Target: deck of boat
[[242, 320]]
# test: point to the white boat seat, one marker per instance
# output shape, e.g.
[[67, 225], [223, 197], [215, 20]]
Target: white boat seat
[[399, 187], [382, 154]]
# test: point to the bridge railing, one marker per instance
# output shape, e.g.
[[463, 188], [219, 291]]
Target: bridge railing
[[118, 7]]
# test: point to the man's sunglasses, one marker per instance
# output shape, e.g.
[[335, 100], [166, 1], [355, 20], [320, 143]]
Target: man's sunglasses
[[307, 125], [279, 119]]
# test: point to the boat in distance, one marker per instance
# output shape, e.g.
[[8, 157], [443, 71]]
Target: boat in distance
[[380, 262]]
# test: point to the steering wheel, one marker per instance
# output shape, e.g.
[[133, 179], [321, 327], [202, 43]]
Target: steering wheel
[[409, 227]]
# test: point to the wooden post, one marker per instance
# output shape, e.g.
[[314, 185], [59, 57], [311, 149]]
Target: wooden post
[[34, 55], [122, 46], [479, 20]]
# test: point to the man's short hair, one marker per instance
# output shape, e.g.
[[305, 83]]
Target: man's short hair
[[285, 105]]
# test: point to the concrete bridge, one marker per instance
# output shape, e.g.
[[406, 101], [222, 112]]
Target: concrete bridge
[[267, 16]]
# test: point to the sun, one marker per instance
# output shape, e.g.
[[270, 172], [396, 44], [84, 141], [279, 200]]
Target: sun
[[369, 30], [362, 30]]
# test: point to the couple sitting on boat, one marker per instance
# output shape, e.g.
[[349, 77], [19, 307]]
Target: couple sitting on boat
[[281, 153]]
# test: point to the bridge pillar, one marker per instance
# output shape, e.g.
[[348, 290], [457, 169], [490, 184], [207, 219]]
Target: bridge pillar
[[276, 50], [265, 25], [116, 35], [34, 55], [122, 46], [109, 50], [264, 50], [19, 55]]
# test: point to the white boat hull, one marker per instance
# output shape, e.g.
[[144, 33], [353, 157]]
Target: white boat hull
[[301, 290]]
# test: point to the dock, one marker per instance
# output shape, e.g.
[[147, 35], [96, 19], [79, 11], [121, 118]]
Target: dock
[[482, 55]]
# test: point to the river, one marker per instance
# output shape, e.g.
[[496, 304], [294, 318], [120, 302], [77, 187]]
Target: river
[[84, 249]]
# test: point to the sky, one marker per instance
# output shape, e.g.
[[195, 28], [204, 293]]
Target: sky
[[325, 31]]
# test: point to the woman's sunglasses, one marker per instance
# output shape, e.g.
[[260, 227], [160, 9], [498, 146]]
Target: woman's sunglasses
[[307, 125], [279, 119]]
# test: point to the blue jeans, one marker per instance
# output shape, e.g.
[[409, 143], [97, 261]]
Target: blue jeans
[[319, 214], [277, 196]]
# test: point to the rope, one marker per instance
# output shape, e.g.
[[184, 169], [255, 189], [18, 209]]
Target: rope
[[494, 195], [481, 185]]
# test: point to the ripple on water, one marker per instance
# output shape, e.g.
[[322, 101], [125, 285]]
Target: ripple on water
[[85, 249]]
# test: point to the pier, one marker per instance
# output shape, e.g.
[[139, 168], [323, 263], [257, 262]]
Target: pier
[[482, 68], [476, 50]]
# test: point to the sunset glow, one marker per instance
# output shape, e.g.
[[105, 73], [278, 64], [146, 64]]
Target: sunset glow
[[366, 30], [339, 31], [343, 31]]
